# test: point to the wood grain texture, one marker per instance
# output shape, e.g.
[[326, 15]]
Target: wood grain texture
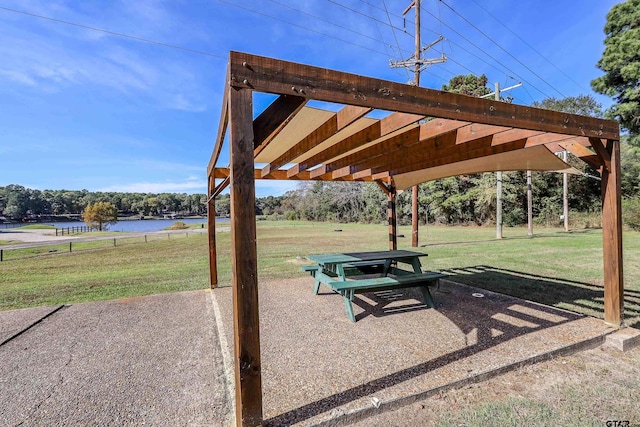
[[283, 77], [222, 129], [211, 233], [273, 119], [248, 370], [612, 237]]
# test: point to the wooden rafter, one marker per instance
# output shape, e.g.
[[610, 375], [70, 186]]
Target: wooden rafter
[[222, 130], [372, 132], [334, 124], [273, 119]]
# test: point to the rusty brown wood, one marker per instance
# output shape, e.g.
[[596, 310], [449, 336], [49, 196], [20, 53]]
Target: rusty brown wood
[[221, 173], [612, 237], [583, 153], [282, 77], [601, 152], [383, 187], [273, 119], [211, 233], [220, 188], [407, 137], [222, 129], [512, 135], [485, 150], [476, 131], [248, 371]]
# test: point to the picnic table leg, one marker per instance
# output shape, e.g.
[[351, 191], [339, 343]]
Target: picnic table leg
[[428, 299], [417, 267], [316, 288], [348, 296], [387, 264]]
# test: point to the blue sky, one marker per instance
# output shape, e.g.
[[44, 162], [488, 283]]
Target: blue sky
[[84, 109]]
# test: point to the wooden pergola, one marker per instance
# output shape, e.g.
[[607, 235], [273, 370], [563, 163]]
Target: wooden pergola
[[428, 134]]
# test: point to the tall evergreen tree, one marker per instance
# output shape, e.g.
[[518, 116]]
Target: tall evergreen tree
[[621, 65]]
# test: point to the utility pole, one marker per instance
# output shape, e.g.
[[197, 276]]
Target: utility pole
[[496, 96], [498, 187], [529, 206], [565, 194], [418, 65]]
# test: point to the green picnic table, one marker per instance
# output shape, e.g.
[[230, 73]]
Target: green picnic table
[[334, 270]]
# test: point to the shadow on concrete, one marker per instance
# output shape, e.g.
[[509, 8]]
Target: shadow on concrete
[[497, 321], [581, 297]]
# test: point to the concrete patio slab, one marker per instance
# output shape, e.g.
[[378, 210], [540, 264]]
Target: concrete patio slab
[[17, 321], [152, 360], [321, 369]]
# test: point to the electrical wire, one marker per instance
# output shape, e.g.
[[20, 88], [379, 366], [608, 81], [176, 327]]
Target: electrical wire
[[503, 49], [300, 26], [491, 64], [528, 45], [113, 33]]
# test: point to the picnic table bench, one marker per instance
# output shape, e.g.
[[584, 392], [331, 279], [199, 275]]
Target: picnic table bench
[[333, 270]]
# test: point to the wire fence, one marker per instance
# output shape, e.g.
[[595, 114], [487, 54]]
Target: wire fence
[[10, 254]]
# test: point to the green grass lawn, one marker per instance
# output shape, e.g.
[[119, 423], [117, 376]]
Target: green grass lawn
[[554, 267]]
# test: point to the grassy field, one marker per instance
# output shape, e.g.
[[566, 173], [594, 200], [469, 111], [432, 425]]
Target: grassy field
[[554, 267]]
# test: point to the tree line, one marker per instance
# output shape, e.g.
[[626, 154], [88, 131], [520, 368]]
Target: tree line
[[456, 200], [18, 202]]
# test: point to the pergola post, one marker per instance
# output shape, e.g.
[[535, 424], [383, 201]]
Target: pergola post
[[244, 261], [211, 231], [612, 236], [392, 217]]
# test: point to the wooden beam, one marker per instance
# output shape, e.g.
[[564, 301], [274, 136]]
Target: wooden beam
[[612, 237], [221, 173], [244, 262], [222, 128], [335, 124], [381, 128], [383, 187], [476, 131], [512, 135], [601, 151], [220, 188], [211, 233], [282, 77], [384, 149], [273, 119], [583, 153], [485, 150]]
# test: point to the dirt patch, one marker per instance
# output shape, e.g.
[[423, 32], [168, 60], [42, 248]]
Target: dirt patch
[[587, 388]]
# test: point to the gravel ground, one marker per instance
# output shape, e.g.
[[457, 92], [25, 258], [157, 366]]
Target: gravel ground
[[149, 360], [317, 366]]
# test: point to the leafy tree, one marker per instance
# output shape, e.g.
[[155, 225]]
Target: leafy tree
[[100, 215], [468, 85], [621, 65], [585, 105]]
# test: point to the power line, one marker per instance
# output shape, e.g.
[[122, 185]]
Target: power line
[[488, 55], [503, 49], [113, 33], [527, 44], [326, 21], [466, 50], [300, 26]]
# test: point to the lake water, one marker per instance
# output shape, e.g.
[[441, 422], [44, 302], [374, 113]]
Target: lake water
[[140, 225]]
